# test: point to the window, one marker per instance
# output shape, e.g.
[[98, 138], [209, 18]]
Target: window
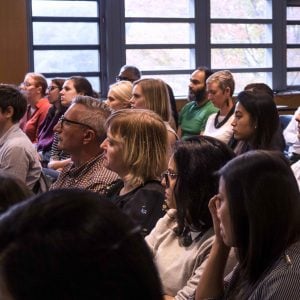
[[65, 38], [258, 40], [293, 45]]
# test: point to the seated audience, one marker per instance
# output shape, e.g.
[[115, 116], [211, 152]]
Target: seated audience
[[182, 239], [80, 133], [220, 88], [73, 244], [119, 95], [153, 94], [193, 116], [18, 156], [257, 212], [72, 87], [135, 148], [255, 124], [132, 73], [12, 191], [45, 131], [34, 88]]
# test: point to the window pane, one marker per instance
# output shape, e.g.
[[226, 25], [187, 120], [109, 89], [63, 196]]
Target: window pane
[[293, 78], [246, 9], [159, 9], [179, 83], [241, 58], [159, 33], [293, 13], [64, 8], [293, 58], [95, 83], [242, 79], [293, 34], [52, 61], [66, 33], [241, 33], [161, 59]]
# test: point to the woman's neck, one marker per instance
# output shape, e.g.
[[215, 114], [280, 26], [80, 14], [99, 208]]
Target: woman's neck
[[128, 186], [227, 106]]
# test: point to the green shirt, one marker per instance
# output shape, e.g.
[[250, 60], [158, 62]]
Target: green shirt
[[192, 118]]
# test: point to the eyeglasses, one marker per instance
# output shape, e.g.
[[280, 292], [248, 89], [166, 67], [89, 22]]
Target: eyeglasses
[[64, 121], [26, 83], [119, 78], [52, 87], [166, 175]]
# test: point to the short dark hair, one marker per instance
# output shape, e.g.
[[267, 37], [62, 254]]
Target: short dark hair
[[74, 244], [264, 116], [10, 95], [135, 72], [197, 159], [259, 87], [264, 208], [207, 72]]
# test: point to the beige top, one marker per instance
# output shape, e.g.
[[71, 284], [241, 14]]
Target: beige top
[[179, 267]]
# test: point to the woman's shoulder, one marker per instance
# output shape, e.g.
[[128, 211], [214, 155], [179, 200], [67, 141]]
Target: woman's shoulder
[[282, 281]]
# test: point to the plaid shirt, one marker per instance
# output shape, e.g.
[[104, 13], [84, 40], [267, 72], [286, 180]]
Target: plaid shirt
[[91, 176]]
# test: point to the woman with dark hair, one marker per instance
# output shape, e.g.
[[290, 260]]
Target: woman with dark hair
[[45, 131], [256, 123], [256, 211], [73, 244], [12, 191], [182, 239]]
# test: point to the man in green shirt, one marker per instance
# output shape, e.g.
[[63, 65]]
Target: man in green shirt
[[193, 116]]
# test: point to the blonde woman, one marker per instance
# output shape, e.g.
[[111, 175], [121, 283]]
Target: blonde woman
[[135, 148], [119, 95], [220, 88], [153, 94]]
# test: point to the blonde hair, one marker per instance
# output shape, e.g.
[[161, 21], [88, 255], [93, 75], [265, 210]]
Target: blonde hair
[[156, 96], [224, 79], [40, 80], [143, 135], [122, 90]]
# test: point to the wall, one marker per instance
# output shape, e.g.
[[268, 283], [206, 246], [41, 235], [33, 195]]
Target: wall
[[14, 41]]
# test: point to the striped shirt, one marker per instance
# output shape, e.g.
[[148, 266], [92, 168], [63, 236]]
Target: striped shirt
[[281, 282]]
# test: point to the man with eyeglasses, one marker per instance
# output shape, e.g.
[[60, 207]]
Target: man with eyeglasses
[[80, 133], [18, 156]]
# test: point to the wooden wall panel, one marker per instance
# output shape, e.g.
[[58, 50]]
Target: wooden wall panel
[[13, 41]]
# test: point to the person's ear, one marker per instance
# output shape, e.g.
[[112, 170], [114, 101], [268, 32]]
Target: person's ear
[[88, 136], [9, 112]]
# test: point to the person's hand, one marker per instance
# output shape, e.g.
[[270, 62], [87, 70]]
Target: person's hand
[[213, 205]]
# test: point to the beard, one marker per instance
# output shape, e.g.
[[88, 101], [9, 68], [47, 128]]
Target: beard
[[197, 96]]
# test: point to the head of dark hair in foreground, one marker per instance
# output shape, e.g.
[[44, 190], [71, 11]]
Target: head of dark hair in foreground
[[197, 159], [73, 244], [264, 207], [12, 191]]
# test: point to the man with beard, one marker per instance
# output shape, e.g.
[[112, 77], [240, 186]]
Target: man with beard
[[193, 116]]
